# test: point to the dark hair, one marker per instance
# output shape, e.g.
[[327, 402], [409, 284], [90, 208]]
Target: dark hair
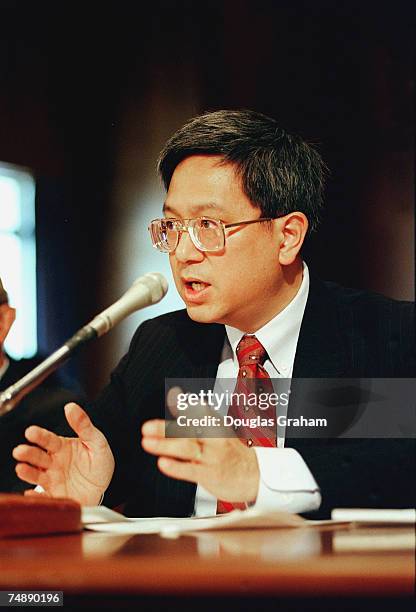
[[280, 172]]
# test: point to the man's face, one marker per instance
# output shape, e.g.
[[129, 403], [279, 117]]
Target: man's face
[[241, 284]]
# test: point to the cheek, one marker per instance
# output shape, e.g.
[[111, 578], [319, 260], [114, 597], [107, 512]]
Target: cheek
[[175, 273], [257, 273], [254, 264], [237, 282]]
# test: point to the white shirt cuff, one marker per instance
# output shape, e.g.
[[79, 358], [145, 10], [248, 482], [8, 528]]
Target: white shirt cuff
[[286, 482]]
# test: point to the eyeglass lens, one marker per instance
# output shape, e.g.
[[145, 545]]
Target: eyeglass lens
[[206, 234]]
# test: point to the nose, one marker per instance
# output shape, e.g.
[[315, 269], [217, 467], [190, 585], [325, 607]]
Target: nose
[[186, 250]]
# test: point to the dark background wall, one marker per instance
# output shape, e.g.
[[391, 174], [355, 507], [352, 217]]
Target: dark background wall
[[88, 94]]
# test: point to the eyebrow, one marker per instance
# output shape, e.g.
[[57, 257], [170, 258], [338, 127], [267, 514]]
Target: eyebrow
[[195, 209]]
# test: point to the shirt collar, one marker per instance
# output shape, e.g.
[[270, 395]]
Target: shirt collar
[[280, 335]]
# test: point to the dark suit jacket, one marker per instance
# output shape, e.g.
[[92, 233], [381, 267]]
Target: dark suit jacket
[[344, 333]]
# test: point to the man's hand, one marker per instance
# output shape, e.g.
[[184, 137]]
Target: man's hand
[[223, 466], [80, 468]]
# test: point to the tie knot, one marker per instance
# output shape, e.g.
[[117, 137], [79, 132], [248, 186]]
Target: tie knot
[[250, 350]]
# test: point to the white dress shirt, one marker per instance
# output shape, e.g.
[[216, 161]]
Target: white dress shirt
[[286, 482]]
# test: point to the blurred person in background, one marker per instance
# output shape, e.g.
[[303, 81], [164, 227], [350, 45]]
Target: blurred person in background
[[43, 406]]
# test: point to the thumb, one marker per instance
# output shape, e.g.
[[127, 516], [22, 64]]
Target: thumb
[[81, 423], [172, 399]]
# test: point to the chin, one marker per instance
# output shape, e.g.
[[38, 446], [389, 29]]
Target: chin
[[199, 314]]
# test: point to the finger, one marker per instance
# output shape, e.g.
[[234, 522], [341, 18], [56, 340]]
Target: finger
[[179, 469], [81, 423], [155, 427], [43, 438], [181, 448], [172, 400], [28, 473], [34, 493], [33, 455]]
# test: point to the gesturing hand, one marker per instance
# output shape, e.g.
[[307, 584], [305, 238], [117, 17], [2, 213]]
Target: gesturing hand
[[80, 468], [223, 466]]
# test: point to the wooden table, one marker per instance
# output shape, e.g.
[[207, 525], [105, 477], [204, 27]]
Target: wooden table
[[284, 565]]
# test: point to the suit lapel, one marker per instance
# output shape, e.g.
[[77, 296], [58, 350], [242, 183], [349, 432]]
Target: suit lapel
[[319, 352], [207, 351]]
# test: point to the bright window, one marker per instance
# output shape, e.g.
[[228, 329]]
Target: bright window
[[18, 256]]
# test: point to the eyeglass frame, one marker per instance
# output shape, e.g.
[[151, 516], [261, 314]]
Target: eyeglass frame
[[224, 226]]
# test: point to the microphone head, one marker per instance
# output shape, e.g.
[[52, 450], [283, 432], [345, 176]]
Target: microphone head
[[145, 291], [156, 283]]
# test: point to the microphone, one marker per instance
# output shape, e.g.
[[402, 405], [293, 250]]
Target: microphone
[[145, 291]]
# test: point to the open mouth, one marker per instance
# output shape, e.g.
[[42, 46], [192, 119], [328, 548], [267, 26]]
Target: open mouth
[[194, 287]]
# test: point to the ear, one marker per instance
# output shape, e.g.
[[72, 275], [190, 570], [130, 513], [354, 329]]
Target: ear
[[7, 317], [292, 235]]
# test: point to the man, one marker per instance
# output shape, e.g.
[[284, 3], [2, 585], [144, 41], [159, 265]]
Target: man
[[42, 406], [241, 196]]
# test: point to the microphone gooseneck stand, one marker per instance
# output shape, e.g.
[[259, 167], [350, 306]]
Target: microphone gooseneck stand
[[145, 291]]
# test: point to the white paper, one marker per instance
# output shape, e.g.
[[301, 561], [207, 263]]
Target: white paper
[[103, 519], [375, 516]]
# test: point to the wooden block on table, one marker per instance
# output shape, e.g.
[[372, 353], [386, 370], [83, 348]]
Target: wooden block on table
[[28, 516]]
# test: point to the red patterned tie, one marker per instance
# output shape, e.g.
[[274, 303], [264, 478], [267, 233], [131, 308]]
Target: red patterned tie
[[252, 381]]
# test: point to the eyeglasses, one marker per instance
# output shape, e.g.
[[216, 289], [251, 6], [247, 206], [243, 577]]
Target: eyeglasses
[[206, 234]]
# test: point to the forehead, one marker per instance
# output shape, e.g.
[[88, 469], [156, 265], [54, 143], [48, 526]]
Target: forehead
[[203, 185]]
